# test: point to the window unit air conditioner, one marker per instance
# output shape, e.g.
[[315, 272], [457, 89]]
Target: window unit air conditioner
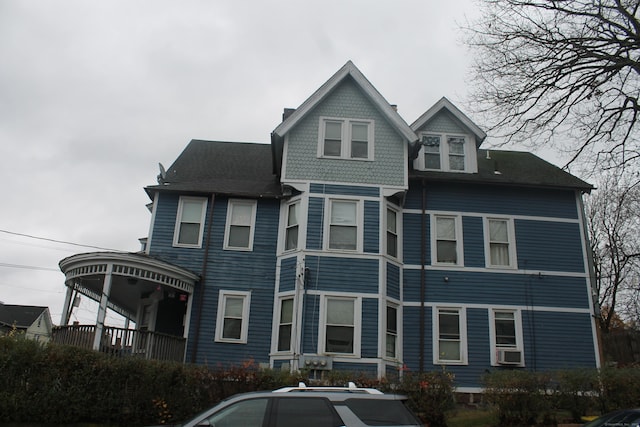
[[510, 357]]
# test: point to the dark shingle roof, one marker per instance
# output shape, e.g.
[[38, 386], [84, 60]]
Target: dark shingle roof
[[242, 169], [22, 316], [511, 168]]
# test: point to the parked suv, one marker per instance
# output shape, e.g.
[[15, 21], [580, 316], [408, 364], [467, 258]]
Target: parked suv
[[304, 406]]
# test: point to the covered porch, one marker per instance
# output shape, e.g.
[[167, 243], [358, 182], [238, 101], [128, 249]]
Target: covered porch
[[154, 295]]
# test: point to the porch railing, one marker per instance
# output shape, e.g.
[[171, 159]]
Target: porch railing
[[123, 342]]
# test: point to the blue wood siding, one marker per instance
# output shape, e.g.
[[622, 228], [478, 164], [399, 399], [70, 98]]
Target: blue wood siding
[[315, 223], [554, 246], [337, 274], [369, 334], [288, 274], [412, 240], [252, 271], [556, 340], [393, 281], [368, 369], [310, 322], [473, 240], [371, 226], [497, 288], [485, 199], [347, 190], [411, 333]]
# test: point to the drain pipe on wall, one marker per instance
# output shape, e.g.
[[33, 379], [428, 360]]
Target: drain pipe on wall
[[423, 256], [203, 276]]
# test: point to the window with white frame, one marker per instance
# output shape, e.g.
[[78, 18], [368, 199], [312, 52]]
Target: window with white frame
[[499, 243], [444, 152], [233, 316], [392, 232], [341, 325], [346, 138], [343, 225], [241, 218], [285, 324], [450, 335], [190, 221], [506, 337], [447, 240], [292, 226], [391, 344]]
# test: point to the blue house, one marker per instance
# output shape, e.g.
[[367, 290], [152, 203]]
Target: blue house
[[355, 241]]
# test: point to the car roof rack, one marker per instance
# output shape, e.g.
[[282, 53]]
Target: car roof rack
[[350, 388]]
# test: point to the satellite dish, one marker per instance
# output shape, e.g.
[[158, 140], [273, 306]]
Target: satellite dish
[[163, 174]]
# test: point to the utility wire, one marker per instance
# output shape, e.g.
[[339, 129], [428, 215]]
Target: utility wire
[[27, 267], [58, 241]]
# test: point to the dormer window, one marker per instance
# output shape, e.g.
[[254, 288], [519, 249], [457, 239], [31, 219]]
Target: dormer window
[[444, 152], [345, 139]]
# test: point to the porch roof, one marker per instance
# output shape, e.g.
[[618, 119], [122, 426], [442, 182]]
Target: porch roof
[[133, 275]]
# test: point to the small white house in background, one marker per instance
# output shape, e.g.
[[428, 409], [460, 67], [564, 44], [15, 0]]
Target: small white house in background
[[34, 321]]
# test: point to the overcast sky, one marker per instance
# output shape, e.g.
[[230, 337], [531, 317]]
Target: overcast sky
[[93, 95]]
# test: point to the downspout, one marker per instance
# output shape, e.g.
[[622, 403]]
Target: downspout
[[203, 276], [423, 257]]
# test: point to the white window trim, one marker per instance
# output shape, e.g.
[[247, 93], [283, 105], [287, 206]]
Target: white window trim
[[345, 142], [246, 304], [459, 240], [276, 326], [511, 230], [469, 153], [227, 228], [517, 315], [462, 312], [176, 231], [398, 332], [398, 231], [357, 325], [359, 224]]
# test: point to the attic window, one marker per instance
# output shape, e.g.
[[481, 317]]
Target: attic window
[[444, 152], [345, 138]]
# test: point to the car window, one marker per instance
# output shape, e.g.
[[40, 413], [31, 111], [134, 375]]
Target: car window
[[382, 412], [305, 412], [246, 413]]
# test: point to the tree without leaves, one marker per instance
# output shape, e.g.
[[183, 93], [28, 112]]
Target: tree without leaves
[[613, 224], [549, 68]]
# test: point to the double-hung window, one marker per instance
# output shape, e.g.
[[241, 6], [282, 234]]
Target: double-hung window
[[233, 316], [391, 344], [499, 243], [190, 222], [346, 138], [292, 226], [447, 240], [444, 153], [341, 323], [241, 218], [343, 224], [392, 232], [285, 324], [506, 337], [450, 334]]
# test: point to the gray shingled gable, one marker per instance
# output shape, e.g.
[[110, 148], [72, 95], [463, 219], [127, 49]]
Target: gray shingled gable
[[510, 168], [242, 169], [22, 316]]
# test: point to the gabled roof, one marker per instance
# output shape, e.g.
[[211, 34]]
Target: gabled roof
[[232, 168], [444, 103], [347, 70], [510, 168], [22, 316]]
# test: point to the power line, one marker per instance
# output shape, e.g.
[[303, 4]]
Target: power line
[[27, 267], [58, 241]]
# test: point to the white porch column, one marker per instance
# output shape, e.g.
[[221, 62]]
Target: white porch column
[[102, 310], [66, 308]]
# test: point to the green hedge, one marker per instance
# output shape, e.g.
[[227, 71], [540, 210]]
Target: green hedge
[[537, 398], [62, 385]]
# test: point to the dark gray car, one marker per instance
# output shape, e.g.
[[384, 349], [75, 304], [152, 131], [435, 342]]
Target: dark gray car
[[309, 407]]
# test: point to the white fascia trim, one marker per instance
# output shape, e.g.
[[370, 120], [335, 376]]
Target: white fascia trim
[[481, 215], [499, 307], [444, 103], [156, 199]]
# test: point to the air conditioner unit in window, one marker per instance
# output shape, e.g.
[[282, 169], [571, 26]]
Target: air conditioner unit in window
[[510, 357]]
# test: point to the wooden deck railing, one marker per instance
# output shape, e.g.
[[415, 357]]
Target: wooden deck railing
[[123, 342]]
